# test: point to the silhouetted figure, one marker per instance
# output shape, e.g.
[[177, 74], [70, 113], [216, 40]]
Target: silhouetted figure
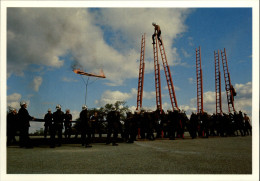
[[12, 122], [85, 125], [248, 127], [157, 31], [24, 125], [47, 122], [58, 118], [113, 119], [67, 124]]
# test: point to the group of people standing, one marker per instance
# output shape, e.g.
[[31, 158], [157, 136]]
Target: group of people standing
[[19, 122], [54, 124], [143, 124], [86, 126]]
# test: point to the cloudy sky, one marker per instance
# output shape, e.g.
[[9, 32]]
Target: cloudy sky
[[43, 44]]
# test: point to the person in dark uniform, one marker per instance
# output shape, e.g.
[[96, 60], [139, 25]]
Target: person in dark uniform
[[58, 118], [95, 124], [193, 125], [150, 125], [129, 128], [158, 126], [67, 124], [24, 125], [157, 31], [85, 127], [248, 127], [136, 118], [113, 119], [205, 124], [142, 123], [47, 122], [12, 122]]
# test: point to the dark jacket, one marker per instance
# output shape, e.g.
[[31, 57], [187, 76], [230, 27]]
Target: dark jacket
[[24, 117], [58, 118]]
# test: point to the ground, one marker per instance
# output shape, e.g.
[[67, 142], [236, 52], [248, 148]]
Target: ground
[[215, 155]]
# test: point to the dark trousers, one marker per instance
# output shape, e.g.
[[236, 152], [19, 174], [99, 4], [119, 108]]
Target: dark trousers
[[67, 132], [115, 134], [158, 36], [46, 129], [24, 140], [54, 129], [11, 136], [85, 136]]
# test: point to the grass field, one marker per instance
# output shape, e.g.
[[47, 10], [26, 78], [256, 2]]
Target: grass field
[[215, 155]]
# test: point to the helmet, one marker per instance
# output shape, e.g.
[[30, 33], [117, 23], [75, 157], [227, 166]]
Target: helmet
[[113, 108], [49, 110], [153, 23], [11, 109], [58, 106], [22, 103], [84, 107], [67, 110]]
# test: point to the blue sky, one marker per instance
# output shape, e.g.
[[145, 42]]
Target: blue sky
[[43, 43]]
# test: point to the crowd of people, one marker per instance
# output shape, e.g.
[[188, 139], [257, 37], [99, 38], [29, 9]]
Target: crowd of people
[[142, 124]]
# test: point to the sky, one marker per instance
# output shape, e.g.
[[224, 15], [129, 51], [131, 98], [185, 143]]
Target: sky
[[43, 44]]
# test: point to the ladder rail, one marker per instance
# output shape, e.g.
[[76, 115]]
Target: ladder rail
[[230, 98], [141, 74], [218, 84], [168, 76], [199, 81], [157, 77]]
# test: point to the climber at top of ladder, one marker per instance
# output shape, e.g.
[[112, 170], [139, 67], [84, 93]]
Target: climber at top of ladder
[[157, 31]]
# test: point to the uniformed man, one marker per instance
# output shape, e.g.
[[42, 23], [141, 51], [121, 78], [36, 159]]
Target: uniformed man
[[12, 123], [58, 118], [67, 124], [150, 125], [157, 31], [47, 122], [24, 125], [129, 128], [248, 127], [194, 122], [85, 127], [94, 123], [113, 119]]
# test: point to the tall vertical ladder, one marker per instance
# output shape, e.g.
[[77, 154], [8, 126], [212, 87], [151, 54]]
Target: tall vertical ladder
[[157, 76], [228, 84], [168, 77], [199, 82], [141, 75], [218, 83]]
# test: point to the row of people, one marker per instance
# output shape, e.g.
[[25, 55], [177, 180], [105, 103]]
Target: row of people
[[142, 124]]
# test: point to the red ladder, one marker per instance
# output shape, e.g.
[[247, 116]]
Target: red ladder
[[228, 84], [218, 84], [168, 77], [199, 82], [157, 76], [141, 75]]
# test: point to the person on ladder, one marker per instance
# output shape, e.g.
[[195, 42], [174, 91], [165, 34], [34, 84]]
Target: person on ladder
[[157, 31]]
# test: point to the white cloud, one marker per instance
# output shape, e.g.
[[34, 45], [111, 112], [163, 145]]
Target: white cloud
[[66, 79], [243, 100], [185, 53], [36, 37], [37, 82], [149, 95], [13, 100], [110, 97], [191, 80], [75, 114], [190, 39]]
